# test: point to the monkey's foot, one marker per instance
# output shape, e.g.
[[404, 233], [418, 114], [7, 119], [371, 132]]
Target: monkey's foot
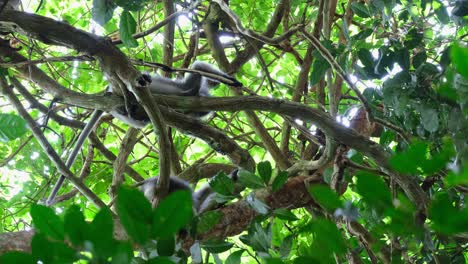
[[144, 79]]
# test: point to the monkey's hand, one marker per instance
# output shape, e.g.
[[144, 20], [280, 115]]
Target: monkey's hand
[[144, 79]]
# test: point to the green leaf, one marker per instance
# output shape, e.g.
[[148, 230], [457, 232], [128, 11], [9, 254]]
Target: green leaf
[[222, 184], [51, 252], [374, 191], [459, 59], [173, 213], [127, 28], [360, 9], [454, 179], [442, 14], [75, 225], [439, 160], [102, 11], [366, 58], [101, 234], [208, 220], [42, 249], [216, 247], [430, 119], [327, 198], [285, 214], [14, 257], [47, 222], [286, 246], [403, 59], [166, 246], [259, 238], [362, 34], [413, 38], [279, 181], [327, 241], [319, 68], [11, 127], [235, 257], [446, 217], [250, 179], [135, 213], [419, 59], [410, 160], [265, 170], [123, 253]]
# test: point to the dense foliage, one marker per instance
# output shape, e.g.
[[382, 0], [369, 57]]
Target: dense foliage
[[350, 130]]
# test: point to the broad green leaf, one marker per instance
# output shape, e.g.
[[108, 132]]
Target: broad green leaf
[[374, 191], [235, 257], [459, 57], [50, 251], [362, 34], [102, 11], [11, 127], [265, 170], [319, 68], [208, 220], [250, 179], [360, 9], [127, 28], [285, 214], [365, 57], [101, 233], [446, 217], [258, 237], [419, 59], [173, 213], [279, 181], [454, 179], [47, 222], [403, 59], [166, 246], [327, 241], [123, 253], [327, 198], [222, 184], [413, 38], [14, 257], [410, 160], [216, 246], [75, 225], [430, 119], [442, 15], [135, 213], [286, 246]]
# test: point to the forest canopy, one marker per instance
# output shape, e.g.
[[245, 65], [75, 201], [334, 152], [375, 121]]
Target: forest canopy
[[321, 131]]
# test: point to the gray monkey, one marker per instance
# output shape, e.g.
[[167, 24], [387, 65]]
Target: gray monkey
[[194, 84], [203, 199]]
